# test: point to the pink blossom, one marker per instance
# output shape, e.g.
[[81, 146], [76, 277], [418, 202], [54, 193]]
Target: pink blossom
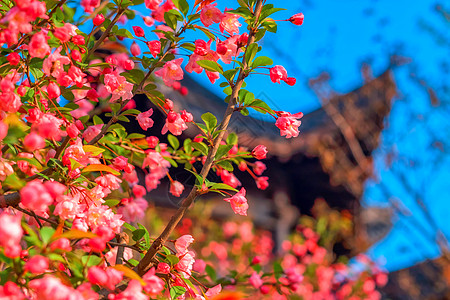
[[259, 152], [53, 90], [153, 4], [118, 86], [183, 242], [228, 49], [38, 46], [229, 23], [92, 131], [149, 21], [259, 168], [61, 244], [37, 264], [68, 207], [185, 264], [154, 285], [297, 19], [138, 31], [176, 188], [262, 182], [230, 179], [133, 292], [10, 291], [186, 116], [174, 123], [48, 126], [255, 280], [161, 35], [11, 233], [34, 141], [210, 14], [34, 196], [171, 71], [154, 47], [13, 58], [288, 124], [77, 76], [90, 5], [108, 278], [135, 50], [50, 287], [163, 268], [133, 210], [278, 73], [98, 20], [239, 202], [144, 119]]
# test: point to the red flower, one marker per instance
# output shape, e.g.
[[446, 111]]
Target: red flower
[[98, 20], [259, 152], [297, 19], [138, 31], [239, 203]]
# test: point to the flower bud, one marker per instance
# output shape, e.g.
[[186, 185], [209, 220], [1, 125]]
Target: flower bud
[[98, 20], [297, 19]]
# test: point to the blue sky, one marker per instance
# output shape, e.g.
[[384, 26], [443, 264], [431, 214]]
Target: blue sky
[[337, 36]]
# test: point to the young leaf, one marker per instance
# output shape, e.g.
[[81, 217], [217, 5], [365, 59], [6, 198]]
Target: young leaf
[[210, 121], [99, 167], [210, 65]]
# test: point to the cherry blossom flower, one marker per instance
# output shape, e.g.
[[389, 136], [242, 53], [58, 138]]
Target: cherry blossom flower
[[118, 86], [133, 210], [239, 202], [176, 188], [278, 73], [297, 19], [11, 233], [34, 196], [255, 280], [144, 119], [171, 71], [92, 131], [183, 242], [10, 291], [38, 46], [210, 14], [133, 292], [185, 264], [50, 287], [108, 277], [154, 285], [98, 20], [262, 182], [174, 123], [153, 4], [154, 47], [33, 141], [259, 152], [288, 124], [38, 264], [229, 23]]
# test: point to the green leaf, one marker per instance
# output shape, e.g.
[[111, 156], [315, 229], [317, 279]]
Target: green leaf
[[262, 61], [100, 167], [173, 141], [200, 147], [260, 106], [146, 236], [92, 149], [46, 234], [134, 75], [172, 259], [135, 136], [177, 291], [91, 260], [223, 186], [250, 53], [211, 272], [97, 120], [188, 46], [182, 5], [210, 121], [232, 138], [277, 270], [244, 112], [125, 33], [210, 65], [111, 202], [223, 149], [226, 165]]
